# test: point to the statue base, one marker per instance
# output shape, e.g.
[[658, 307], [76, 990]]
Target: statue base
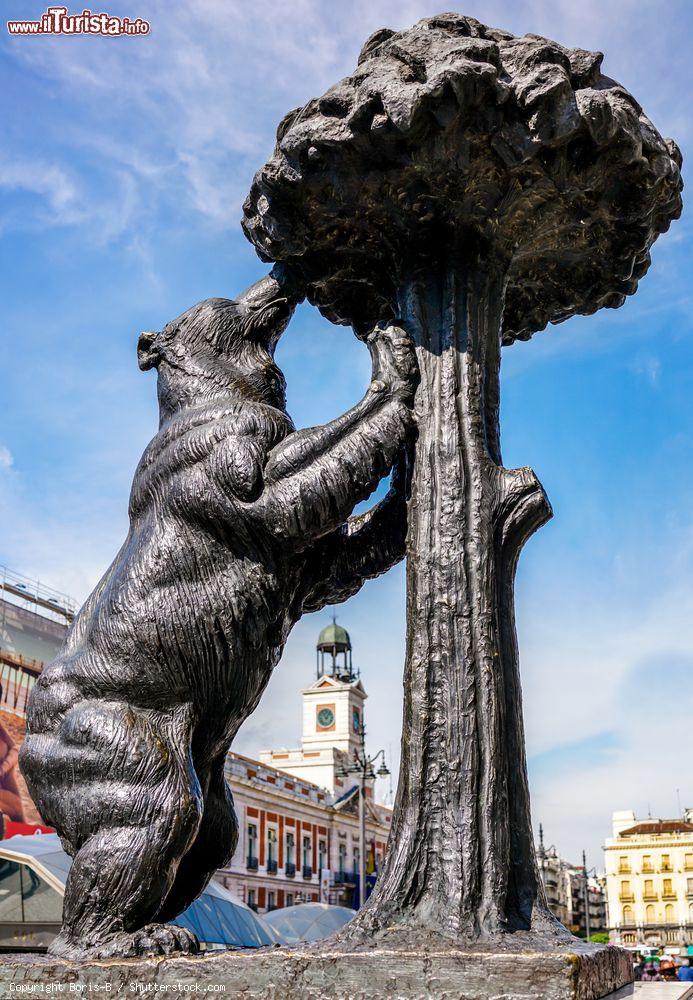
[[570, 972]]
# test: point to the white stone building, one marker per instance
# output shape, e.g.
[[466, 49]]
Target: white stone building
[[649, 876]]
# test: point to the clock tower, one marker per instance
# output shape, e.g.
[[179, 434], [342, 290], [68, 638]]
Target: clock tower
[[332, 715], [333, 704]]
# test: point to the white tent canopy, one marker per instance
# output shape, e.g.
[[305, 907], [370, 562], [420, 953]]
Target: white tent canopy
[[308, 921]]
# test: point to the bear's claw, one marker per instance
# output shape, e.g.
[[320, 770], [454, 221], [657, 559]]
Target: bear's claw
[[150, 940]]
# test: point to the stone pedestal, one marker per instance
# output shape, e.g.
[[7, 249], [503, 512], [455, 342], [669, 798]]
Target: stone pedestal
[[577, 972]]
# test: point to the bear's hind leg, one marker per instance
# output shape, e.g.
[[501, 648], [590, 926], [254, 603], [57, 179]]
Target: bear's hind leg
[[129, 812], [212, 848], [114, 888]]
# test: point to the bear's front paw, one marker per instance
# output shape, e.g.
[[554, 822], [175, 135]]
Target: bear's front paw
[[395, 369]]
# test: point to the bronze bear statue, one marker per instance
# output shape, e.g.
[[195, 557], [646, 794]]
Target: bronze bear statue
[[238, 525]]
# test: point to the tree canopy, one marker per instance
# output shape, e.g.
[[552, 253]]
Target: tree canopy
[[453, 137]]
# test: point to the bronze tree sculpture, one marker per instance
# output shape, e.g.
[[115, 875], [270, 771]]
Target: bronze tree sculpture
[[474, 186], [234, 519]]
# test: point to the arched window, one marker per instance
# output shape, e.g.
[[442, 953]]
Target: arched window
[[650, 914], [669, 917], [628, 915]]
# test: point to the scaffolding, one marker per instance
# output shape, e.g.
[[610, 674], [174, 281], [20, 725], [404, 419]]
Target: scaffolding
[[27, 593], [42, 611]]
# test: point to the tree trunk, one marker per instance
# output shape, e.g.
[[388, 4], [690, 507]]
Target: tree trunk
[[461, 859]]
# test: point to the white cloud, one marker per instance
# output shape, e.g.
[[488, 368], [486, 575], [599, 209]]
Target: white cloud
[[47, 180], [6, 457], [606, 666]]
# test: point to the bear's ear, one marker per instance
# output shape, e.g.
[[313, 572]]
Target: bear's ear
[[148, 354]]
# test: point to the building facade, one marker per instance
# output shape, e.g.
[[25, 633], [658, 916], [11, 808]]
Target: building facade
[[34, 620], [297, 842], [298, 812], [649, 876], [571, 893]]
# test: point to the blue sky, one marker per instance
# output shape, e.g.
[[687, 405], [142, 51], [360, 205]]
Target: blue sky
[[122, 172]]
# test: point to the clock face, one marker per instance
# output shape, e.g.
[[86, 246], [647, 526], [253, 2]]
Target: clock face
[[325, 718]]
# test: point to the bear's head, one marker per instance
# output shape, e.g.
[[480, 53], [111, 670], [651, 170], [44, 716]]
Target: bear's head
[[223, 348]]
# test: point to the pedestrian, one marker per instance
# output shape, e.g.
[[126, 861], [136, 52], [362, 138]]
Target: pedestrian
[[650, 974], [685, 973]]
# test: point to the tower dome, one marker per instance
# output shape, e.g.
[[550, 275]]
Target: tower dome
[[334, 636], [334, 643]]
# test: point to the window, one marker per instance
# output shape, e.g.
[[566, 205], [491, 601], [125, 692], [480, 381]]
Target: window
[[648, 891], [668, 888], [271, 900], [24, 896], [322, 855], [250, 899], [689, 886], [10, 891], [628, 915], [650, 914], [666, 863], [688, 862], [306, 852], [289, 899], [252, 841], [669, 917], [290, 849], [625, 890], [342, 858], [647, 863], [357, 859], [40, 901], [623, 863], [271, 845]]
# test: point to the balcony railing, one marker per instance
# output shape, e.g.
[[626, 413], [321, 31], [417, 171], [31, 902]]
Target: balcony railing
[[648, 869], [650, 897], [666, 868], [289, 869], [251, 864], [271, 867], [307, 871], [346, 878], [624, 869], [626, 897], [669, 894]]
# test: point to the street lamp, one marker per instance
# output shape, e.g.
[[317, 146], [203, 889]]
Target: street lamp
[[586, 874], [360, 766]]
